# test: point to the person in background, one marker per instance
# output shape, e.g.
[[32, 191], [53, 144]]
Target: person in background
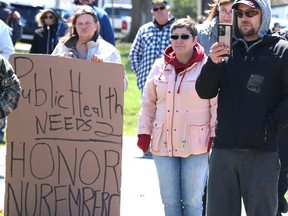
[[252, 88], [220, 12], [283, 177], [6, 49], [283, 152], [201, 19], [45, 38], [10, 88], [12, 18], [6, 44], [276, 27], [150, 42], [82, 40], [182, 124], [106, 30]]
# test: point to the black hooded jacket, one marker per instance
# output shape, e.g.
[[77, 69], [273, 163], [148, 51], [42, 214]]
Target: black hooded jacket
[[45, 39], [252, 88]]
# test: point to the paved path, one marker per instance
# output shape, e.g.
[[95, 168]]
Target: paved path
[[140, 192]]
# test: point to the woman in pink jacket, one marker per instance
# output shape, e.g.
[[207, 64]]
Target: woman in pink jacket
[[181, 123]]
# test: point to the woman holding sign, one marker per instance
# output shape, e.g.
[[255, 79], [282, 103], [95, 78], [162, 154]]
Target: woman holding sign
[[82, 40]]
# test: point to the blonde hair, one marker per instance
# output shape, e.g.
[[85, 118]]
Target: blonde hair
[[214, 8]]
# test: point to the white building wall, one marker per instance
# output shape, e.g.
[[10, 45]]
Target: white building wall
[[280, 12]]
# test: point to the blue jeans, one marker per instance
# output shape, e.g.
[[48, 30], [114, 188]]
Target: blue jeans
[[182, 182]]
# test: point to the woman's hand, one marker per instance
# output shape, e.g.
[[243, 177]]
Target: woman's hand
[[95, 58], [217, 52]]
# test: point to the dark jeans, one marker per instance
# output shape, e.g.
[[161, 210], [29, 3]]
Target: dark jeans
[[250, 175]]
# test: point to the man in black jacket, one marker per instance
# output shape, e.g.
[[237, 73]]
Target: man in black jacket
[[252, 88]]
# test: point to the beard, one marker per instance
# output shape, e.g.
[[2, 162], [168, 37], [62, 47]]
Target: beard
[[245, 31], [250, 32]]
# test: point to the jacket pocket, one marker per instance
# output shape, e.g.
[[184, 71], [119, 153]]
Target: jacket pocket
[[199, 138], [157, 137]]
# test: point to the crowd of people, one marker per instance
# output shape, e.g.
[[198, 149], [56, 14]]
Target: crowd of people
[[215, 120]]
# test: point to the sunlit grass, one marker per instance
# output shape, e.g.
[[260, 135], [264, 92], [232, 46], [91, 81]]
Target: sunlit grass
[[132, 95]]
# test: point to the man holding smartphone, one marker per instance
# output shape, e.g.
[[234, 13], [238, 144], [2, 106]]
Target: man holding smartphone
[[252, 88]]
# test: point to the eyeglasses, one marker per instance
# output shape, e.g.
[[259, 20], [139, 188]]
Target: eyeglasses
[[183, 36], [248, 13], [160, 8], [50, 17], [225, 12]]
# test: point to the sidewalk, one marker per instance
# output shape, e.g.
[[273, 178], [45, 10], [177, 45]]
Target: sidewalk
[[140, 192]]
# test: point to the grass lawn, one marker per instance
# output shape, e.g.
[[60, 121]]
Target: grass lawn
[[132, 97]]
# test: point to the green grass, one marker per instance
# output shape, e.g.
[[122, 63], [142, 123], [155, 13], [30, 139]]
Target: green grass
[[132, 97]]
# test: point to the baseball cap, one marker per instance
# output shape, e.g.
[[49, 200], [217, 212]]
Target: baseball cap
[[159, 2], [250, 3]]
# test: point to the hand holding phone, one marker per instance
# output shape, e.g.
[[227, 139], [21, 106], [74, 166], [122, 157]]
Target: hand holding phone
[[225, 35]]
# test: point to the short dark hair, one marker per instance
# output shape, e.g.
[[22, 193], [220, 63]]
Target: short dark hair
[[187, 23]]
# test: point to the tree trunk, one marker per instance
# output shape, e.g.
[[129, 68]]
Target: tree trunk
[[141, 14]]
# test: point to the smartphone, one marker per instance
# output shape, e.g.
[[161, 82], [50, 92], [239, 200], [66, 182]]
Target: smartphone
[[225, 35]]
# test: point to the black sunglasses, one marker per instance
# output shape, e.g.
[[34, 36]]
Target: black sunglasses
[[160, 8], [50, 17], [248, 13], [183, 37]]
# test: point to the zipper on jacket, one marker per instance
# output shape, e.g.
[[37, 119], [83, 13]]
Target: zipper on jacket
[[185, 129], [48, 40], [253, 45], [172, 114]]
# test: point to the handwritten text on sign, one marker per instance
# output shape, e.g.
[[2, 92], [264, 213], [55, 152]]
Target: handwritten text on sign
[[65, 137]]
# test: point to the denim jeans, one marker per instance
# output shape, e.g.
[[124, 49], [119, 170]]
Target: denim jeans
[[182, 182]]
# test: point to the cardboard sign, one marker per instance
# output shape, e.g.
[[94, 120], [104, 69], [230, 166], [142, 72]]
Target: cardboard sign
[[64, 140]]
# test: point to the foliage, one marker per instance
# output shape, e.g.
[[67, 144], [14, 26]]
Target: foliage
[[181, 9]]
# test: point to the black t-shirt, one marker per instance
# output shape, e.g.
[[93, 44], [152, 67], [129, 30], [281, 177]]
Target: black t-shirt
[[249, 43]]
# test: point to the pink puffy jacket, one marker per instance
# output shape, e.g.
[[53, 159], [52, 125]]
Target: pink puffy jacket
[[181, 123]]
